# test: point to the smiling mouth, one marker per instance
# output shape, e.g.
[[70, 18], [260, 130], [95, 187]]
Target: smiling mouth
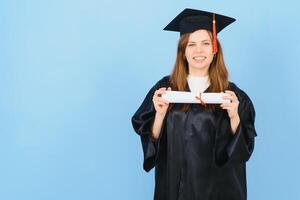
[[199, 58]]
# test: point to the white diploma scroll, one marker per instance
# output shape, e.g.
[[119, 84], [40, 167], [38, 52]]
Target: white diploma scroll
[[190, 97]]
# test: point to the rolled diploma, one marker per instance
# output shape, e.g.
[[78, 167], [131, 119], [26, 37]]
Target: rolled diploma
[[190, 97]]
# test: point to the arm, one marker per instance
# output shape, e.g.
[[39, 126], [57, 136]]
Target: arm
[[236, 132], [157, 125], [232, 110], [143, 124], [234, 122], [161, 107]]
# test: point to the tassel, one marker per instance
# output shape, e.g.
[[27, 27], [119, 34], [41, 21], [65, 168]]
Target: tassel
[[201, 101], [215, 45]]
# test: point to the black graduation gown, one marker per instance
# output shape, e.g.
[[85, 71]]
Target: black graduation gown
[[196, 156]]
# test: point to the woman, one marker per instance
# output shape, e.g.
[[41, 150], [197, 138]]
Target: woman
[[199, 151]]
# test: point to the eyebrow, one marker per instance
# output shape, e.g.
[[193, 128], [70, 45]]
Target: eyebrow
[[201, 41]]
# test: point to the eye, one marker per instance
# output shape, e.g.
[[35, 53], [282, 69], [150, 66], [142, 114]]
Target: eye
[[191, 44], [206, 43]]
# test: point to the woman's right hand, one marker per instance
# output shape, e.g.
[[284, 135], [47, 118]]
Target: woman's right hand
[[161, 105]]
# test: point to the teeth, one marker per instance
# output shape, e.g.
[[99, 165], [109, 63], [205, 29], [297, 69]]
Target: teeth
[[199, 58]]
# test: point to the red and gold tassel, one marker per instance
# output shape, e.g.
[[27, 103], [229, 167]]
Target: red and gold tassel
[[215, 45], [201, 101]]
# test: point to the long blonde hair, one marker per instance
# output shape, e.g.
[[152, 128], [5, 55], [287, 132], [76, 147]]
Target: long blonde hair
[[218, 74]]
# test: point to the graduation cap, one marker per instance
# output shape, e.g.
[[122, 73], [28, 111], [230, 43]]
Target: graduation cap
[[190, 20]]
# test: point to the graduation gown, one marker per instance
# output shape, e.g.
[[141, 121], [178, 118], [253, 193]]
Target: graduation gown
[[196, 156]]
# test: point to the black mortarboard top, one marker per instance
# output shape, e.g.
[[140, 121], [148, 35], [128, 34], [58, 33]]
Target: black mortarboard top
[[190, 20]]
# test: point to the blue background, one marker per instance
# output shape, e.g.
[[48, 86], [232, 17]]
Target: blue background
[[72, 73]]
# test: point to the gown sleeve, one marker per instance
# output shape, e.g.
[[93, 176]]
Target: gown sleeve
[[236, 147], [142, 122]]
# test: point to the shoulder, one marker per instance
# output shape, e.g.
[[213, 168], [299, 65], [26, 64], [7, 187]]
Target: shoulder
[[163, 82]]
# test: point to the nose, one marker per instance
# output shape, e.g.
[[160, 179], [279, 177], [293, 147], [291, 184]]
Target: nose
[[199, 48]]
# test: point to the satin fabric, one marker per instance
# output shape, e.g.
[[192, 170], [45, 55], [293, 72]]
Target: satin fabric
[[196, 156]]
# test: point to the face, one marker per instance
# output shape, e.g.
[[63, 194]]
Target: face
[[199, 52]]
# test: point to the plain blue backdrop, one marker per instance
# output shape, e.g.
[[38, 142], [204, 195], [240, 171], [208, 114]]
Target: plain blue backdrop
[[72, 73]]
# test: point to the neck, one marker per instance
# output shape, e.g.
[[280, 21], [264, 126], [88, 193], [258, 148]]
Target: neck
[[198, 72]]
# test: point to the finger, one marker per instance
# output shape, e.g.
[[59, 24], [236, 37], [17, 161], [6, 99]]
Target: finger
[[231, 93], [227, 102], [160, 99], [228, 97], [161, 104], [165, 101], [227, 106], [232, 104], [161, 91], [232, 99]]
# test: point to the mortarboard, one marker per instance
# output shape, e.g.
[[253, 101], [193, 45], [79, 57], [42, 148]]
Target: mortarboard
[[190, 20]]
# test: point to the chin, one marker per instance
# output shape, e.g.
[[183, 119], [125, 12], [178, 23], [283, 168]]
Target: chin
[[200, 66]]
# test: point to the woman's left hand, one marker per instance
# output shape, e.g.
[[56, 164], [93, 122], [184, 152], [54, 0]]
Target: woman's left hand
[[232, 107]]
